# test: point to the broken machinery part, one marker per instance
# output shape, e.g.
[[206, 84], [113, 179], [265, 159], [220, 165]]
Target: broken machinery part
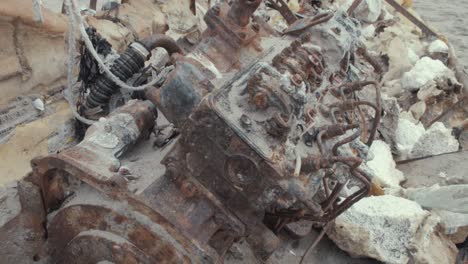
[[272, 130]]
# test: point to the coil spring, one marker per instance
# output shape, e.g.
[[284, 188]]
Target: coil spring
[[129, 63]]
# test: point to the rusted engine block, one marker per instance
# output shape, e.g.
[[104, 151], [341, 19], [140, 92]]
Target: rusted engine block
[[272, 131]]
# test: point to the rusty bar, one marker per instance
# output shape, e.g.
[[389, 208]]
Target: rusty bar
[[353, 7], [282, 7]]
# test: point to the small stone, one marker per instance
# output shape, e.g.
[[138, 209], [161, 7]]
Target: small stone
[[443, 175], [383, 165], [438, 46], [38, 104]]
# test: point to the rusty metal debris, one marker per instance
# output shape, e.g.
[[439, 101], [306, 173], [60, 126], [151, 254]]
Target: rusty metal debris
[[266, 126]]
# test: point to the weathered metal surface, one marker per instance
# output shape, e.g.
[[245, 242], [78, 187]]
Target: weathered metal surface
[[22, 236], [272, 131]]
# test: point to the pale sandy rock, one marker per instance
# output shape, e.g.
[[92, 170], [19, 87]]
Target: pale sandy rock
[[179, 18], [28, 46], [425, 71], [10, 63], [418, 109], [32, 140], [436, 140], [392, 230], [141, 17], [117, 35], [22, 10], [383, 166]]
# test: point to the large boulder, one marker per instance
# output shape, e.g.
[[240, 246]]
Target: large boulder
[[392, 230]]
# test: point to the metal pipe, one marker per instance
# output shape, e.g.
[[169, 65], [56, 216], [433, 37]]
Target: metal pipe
[[161, 41], [353, 7]]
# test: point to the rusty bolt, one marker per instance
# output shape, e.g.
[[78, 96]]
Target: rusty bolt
[[260, 100], [188, 189], [296, 79]]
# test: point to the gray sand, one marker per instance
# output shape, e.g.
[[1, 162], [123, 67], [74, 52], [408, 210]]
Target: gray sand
[[451, 19]]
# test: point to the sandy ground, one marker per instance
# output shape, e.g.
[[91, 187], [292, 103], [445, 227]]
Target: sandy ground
[[449, 18]]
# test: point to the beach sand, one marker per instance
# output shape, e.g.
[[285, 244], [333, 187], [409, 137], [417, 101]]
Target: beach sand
[[450, 18]]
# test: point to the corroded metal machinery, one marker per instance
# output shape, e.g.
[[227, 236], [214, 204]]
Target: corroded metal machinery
[[273, 129]]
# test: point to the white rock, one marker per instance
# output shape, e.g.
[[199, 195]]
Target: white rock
[[383, 165], [38, 104], [425, 70], [437, 140], [438, 46], [407, 135], [368, 32], [369, 10], [412, 56], [392, 230]]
